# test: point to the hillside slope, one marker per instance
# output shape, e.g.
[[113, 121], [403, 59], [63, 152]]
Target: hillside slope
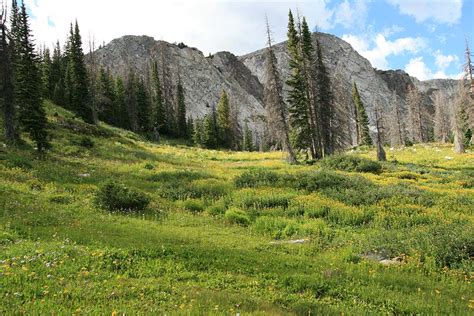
[[214, 239]]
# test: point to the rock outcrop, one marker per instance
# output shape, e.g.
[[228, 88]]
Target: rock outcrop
[[204, 78]]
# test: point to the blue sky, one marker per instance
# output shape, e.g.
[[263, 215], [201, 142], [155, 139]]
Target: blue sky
[[423, 37]]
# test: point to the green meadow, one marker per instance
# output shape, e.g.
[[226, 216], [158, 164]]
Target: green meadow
[[108, 223]]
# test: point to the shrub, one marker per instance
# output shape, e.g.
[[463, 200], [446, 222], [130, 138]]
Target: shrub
[[263, 200], [210, 189], [86, 142], [113, 196], [271, 226], [194, 206], [14, 161], [351, 164], [149, 166], [256, 178], [317, 212], [178, 176], [236, 216], [217, 209]]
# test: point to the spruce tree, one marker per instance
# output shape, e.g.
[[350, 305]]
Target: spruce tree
[[79, 84], [362, 119], [57, 76], [46, 67], [28, 86], [210, 133], [325, 99], [121, 104], [143, 108], [298, 102], [108, 111], [182, 127], [224, 122], [6, 83], [158, 111], [247, 142], [198, 132]]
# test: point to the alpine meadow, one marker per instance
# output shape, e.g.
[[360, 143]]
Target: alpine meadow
[[139, 176]]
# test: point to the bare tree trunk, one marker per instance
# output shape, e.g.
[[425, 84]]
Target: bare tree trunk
[[462, 99], [381, 155]]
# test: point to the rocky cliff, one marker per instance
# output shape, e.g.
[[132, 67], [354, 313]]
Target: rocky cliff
[[205, 77]]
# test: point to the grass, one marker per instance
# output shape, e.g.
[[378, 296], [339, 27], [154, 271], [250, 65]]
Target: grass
[[205, 244]]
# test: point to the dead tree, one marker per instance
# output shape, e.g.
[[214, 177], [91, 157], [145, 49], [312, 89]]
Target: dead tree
[[381, 155], [6, 80], [469, 82], [441, 119], [277, 117], [460, 104], [397, 134], [414, 114]]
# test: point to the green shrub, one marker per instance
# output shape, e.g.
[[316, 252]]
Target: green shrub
[[271, 226], [149, 166], [86, 142], [179, 176], [317, 212], [236, 216], [113, 196], [14, 161], [210, 189], [194, 206], [351, 164], [217, 209], [260, 201], [256, 178]]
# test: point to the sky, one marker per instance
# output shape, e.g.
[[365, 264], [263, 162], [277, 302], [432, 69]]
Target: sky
[[426, 38]]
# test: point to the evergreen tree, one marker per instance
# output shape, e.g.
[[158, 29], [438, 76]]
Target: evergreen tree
[[108, 111], [198, 131], [325, 99], [190, 128], [362, 119], [298, 102], [78, 84], [143, 108], [6, 83], [131, 101], [28, 86], [210, 133], [121, 105], [56, 76], [247, 142], [158, 111], [46, 67], [224, 122], [181, 111]]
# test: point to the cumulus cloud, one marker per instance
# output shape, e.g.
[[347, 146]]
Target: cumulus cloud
[[440, 11], [444, 61], [379, 49], [417, 67], [351, 14], [210, 25]]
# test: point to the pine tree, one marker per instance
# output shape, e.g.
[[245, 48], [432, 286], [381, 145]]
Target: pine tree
[[106, 100], [274, 102], [210, 134], [325, 99], [181, 111], [158, 111], [198, 135], [57, 74], [121, 104], [223, 121], [298, 102], [190, 128], [247, 142], [78, 84], [361, 118], [7, 91], [46, 67], [131, 101], [28, 86], [143, 108]]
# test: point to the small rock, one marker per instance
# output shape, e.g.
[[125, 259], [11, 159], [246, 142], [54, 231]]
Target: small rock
[[389, 262], [448, 158], [84, 175], [296, 241]]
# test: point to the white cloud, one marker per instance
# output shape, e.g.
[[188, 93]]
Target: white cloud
[[440, 11], [209, 25], [444, 61], [377, 50], [351, 14], [417, 67]]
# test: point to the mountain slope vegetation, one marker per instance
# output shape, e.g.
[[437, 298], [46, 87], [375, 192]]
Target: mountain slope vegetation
[[231, 232]]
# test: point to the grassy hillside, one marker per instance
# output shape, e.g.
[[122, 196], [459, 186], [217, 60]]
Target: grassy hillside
[[213, 239]]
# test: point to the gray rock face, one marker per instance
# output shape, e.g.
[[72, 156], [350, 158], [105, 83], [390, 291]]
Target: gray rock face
[[204, 78]]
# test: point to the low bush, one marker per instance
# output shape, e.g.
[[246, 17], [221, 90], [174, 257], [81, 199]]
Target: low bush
[[236, 216], [86, 142], [217, 209], [209, 189], [256, 178], [351, 164], [271, 226], [263, 200], [193, 206], [113, 196], [178, 176]]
